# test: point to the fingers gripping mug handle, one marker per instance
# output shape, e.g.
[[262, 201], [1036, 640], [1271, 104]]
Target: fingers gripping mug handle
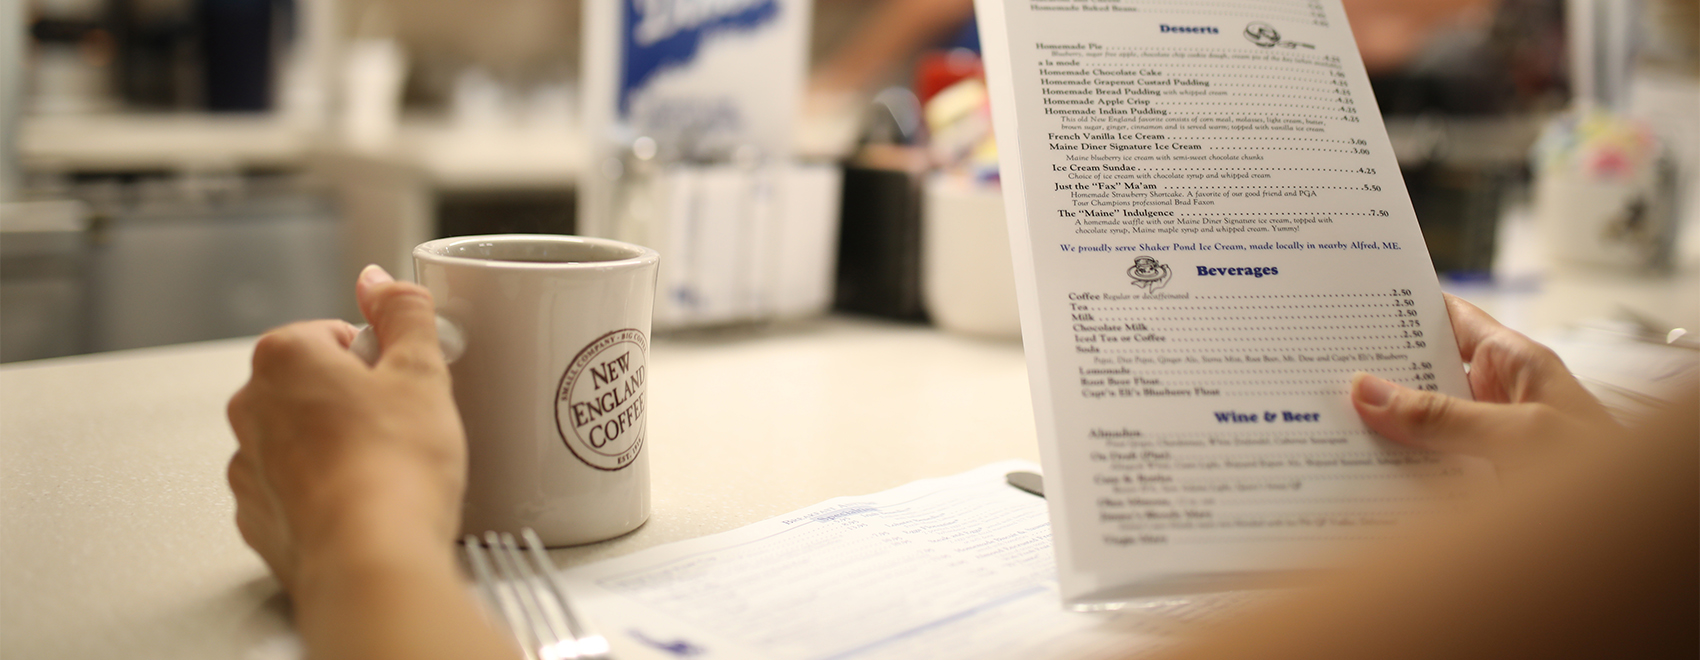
[[449, 338]]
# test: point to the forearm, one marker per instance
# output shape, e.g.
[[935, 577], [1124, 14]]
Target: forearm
[[414, 608], [391, 592]]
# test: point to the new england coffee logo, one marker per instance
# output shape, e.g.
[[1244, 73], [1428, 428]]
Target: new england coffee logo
[[1150, 274], [599, 406]]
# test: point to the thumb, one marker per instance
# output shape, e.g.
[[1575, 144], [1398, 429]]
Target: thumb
[[404, 319], [1427, 420]]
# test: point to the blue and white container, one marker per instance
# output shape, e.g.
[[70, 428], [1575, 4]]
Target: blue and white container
[[690, 107]]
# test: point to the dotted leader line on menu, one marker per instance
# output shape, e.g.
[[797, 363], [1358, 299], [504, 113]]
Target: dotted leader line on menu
[[1298, 115], [1224, 372], [1297, 295], [1237, 340], [1246, 113], [1254, 329], [1226, 383], [1256, 103], [1265, 307], [1332, 151], [1378, 347], [1232, 318], [1265, 213], [1254, 169], [1360, 188], [1272, 96], [1292, 139]]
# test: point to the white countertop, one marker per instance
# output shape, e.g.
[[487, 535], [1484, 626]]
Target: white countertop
[[117, 532]]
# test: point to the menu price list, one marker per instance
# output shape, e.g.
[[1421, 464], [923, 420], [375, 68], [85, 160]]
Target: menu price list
[[1250, 360], [1130, 347]]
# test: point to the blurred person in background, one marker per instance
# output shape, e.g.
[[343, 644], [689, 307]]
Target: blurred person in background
[[1390, 33]]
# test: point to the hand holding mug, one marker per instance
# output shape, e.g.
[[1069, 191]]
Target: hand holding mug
[[336, 457]]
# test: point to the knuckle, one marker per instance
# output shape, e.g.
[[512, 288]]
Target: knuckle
[[401, 296], [1518, 347], [1545, 357], [236, 407], [238, 474], [1425, 410], [277, 347], [417, 364], [1546, 420]]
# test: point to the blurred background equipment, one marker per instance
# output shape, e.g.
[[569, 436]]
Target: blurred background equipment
[[1608, 184], [1462, 86], [129, 261]]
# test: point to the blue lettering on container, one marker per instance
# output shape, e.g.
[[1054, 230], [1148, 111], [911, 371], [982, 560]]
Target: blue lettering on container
[[662, 34]]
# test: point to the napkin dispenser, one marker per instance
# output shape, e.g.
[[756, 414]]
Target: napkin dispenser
[[740, 241]]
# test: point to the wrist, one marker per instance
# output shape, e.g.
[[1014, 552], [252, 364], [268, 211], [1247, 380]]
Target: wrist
[[370, 525], [371, 543], [392, 599], [371, 505]]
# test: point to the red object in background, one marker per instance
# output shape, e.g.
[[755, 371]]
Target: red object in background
[[940, 69]]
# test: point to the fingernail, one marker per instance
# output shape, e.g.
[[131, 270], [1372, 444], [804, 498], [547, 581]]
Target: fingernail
[[1371, 390], [374, 274]]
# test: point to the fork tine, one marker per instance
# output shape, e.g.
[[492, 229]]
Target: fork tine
[[531, 598], [552, 580], [584, 643], [505, 604], [538, 634], [542, 626]]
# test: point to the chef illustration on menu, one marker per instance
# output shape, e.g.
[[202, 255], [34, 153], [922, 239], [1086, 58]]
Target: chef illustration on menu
[[1211, 236]]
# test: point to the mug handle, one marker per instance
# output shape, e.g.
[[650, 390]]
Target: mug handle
[[449, 338]]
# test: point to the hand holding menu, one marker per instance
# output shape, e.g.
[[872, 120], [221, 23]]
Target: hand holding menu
[[1211, 236]]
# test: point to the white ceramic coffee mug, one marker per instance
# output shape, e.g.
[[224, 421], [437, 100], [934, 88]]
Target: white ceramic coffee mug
[[551, 382]]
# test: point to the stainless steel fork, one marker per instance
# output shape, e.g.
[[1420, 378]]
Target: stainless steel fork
[[529, 597]]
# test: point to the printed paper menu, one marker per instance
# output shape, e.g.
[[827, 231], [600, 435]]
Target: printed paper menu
[[1211, 236]]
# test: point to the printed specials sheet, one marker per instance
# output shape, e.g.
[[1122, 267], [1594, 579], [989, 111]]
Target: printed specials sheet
[[955, 567], [1211, 235]]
